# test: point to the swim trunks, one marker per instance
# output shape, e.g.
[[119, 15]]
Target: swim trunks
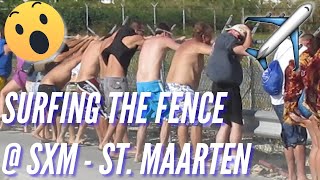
[[175, 87], [90, 86], [155, 87], [291, 135], [20, 77], [114, 84], [232, 104], [49, 89]]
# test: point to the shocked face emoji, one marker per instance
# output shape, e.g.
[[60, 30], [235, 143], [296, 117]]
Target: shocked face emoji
[[34, 31]]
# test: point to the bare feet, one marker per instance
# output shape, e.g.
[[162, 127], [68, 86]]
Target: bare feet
[[60, 140], [100, 147], [37, 136], [294, 177], [53, 139], [45, 141], [132, 150], [138, 158], [302, 177], [26, 129], [47, 137], [114, 155], [79, 141], [71, 140]]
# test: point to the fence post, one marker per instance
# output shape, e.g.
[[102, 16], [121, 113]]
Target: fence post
[[87, 20], [184, 21], [214, 21], [87, 17], [154, 14], [252, 91], [122, 11], [242, 11]]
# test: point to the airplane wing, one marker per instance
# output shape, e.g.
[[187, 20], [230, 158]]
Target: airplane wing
[[273, 20], [295, 42]]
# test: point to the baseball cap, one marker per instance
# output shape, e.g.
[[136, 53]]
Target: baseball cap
[[240, 28]]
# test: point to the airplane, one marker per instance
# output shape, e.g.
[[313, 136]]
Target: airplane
[[289, 26]]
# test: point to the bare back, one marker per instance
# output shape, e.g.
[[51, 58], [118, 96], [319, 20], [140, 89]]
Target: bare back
[[187, 63], [90, 62], [151, 56]]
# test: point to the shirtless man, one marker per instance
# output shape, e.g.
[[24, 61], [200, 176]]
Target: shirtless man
[[87, 80], [148, 76], [57, 78], [117, 57], [184, 76]]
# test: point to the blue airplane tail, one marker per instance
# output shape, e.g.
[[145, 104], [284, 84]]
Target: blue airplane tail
[[262, 61]]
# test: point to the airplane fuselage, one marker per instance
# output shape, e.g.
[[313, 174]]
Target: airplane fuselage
[[288, 27]]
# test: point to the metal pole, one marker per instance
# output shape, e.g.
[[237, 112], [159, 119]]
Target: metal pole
[[172, 27], [113, 29], [184, 20], [154, 14], [151, 30], [87, 21], [255, 28], [253, 104], [227, 23], [214, 22], [125, 21], [122, 11], [87, 17], [242, 15], [162, 71], [316, 32]]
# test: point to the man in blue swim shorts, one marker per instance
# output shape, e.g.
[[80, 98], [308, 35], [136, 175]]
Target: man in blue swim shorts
[[148, 77]]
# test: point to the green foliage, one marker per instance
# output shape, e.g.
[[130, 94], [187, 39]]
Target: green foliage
[[103, 17]]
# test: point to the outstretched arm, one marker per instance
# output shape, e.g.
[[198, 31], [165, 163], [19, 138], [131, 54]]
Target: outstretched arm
[[180, 39], [65, 55], [138, 40], [74, 41], [172, 44], [84, 47], [204, 49]]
